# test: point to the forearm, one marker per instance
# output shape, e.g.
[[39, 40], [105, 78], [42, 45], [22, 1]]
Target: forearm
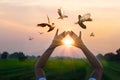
[[42, 61], [44, 58], [98, 70], [39, 72], [91, 58]]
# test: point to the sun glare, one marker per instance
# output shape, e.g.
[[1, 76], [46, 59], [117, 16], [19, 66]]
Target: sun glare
[[68, 40]]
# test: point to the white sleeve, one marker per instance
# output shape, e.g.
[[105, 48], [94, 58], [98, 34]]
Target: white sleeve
[[42, 78]]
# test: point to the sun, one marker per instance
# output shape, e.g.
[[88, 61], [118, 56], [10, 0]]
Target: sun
[[68, 41]]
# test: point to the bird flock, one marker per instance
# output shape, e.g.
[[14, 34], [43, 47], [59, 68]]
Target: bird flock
[[80, 22]]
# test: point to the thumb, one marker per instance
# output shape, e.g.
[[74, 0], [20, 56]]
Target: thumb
[[56, 32], [80, 34]]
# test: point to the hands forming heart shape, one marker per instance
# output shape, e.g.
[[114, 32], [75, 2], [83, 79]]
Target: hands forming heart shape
[[57, 41]]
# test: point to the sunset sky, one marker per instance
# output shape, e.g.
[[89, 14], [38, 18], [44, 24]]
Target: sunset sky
[[18, 20]]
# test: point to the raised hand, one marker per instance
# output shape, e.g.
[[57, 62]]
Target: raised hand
[[40, 64], [98, 70], [78, 41], [57, 41]]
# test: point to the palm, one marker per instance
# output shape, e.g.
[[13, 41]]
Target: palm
[[78, 41], [57, 41]]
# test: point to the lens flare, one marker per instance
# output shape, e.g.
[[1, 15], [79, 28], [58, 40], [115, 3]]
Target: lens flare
[[68, 40]]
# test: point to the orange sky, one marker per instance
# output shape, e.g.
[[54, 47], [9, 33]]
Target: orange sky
[[18, 19]]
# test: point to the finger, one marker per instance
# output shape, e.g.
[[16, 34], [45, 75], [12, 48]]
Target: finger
[[62, 35], [80, 34], [57, 32], [68, 32], [73, 34]]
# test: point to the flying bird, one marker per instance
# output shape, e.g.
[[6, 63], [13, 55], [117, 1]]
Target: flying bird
[[61, 14], [81, 19], [51, 26], [92, 34], [31, 38], [40, 32]]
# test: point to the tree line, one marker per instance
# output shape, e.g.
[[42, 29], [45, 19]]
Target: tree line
[[110, 56], [16, 55], [21, 56]]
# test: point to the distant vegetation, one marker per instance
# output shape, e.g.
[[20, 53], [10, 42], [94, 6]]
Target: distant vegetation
[[16, 55], [18, 66], [21, 56], [110, 56]]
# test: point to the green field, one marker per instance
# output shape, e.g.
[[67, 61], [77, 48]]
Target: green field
[[67, 69]]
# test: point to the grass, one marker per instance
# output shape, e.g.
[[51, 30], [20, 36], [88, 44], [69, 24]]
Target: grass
[[68, 69], [15, 70]]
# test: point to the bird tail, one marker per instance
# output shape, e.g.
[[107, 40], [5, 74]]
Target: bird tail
[[65, 16], [60, 18]]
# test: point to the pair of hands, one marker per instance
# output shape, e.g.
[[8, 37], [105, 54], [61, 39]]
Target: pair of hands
[[57, 41]]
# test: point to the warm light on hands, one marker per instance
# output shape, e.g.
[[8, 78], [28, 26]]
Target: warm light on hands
[[68, 40]]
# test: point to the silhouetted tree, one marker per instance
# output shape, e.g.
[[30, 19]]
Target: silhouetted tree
[[14, 55], [0, 55], [18, 55], [110, 56], [100, 57], [118, 55], [4, 55], [21, 56], [118, 52]]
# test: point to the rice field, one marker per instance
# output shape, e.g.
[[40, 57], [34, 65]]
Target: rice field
[[57, 69]]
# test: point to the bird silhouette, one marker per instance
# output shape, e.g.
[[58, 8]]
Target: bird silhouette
[[92, 34], [61, 14], [51, 26], [81, 19], [31, 38], [40, 32]]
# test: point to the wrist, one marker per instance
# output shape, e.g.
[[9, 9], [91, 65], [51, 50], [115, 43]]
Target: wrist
[[52, 46], [81, 46]]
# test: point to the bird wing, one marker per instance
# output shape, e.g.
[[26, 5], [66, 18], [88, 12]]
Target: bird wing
[[48, 19], [65, 16], [89, 19], [92, 34], [31, 38], [50, 29], [79, 17], [43, 24], [40, 32], [62, 12], [49, 25], [82, 25], [86, 16], [46, 24], [59, 12]]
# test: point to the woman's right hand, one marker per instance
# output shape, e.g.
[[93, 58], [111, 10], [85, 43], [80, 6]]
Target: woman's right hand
[[78, 41]]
